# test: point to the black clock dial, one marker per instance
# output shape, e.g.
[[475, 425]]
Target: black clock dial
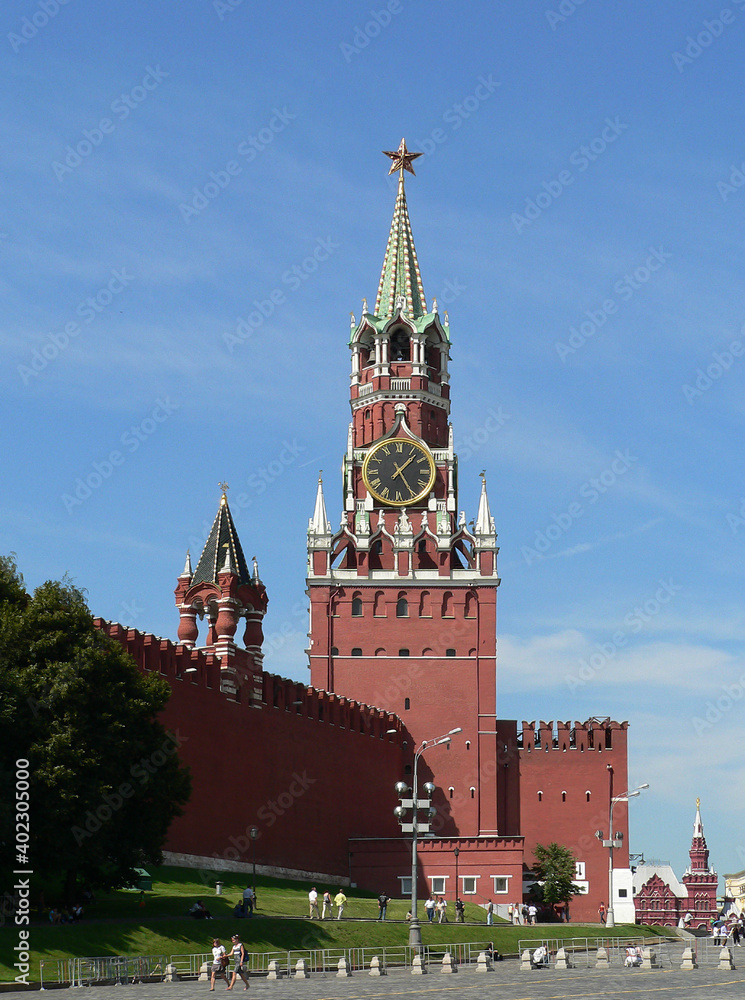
[[398, 472]]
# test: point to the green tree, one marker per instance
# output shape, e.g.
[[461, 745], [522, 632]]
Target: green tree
[[105, 778], [555, 868]]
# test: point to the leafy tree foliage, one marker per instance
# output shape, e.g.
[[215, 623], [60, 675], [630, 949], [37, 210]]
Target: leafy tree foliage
[[105, 778], [555, 867]]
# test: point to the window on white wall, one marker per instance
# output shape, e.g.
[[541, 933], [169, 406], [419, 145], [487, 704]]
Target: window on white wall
[[501, 884], [438, 884], [469, 884], [405, 881]]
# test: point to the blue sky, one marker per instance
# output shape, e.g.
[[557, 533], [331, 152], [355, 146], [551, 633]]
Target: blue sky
[[580, 204]]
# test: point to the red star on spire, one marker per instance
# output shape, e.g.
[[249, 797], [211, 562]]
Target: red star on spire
[[401, 158]]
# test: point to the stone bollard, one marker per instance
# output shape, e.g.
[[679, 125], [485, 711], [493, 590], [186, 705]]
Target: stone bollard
[[418, 967], [649, 959], [343, 968], [525, 965], [376, 967], [725, 960], [204, 972], [602, 958], [172, 975], [274, 970], [689, 960], [562, 962], [448, 966], [484, 963], [301, 969]]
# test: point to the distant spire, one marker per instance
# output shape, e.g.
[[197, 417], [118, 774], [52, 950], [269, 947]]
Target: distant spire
[[698, 826], [400, 277], [319, 523], [222, 548], [187, 566], [256, 577], [484, 524]]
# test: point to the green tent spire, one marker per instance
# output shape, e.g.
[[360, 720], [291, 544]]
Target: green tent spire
[[400, 275]]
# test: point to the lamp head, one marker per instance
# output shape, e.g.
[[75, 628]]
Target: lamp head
[[401, 788], [429, 788], [400, 813]]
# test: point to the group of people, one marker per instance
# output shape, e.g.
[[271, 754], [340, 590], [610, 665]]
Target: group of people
[[221, 962], [438, 906], [65, 914], [338, 901], [245, 907], [732, 927], [526, 913]]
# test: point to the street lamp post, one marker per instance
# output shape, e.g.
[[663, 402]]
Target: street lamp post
[[415, 826], [456, 852], [615, 840], [254, 835]]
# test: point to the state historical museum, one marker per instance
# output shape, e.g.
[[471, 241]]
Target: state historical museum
[[402, 649]]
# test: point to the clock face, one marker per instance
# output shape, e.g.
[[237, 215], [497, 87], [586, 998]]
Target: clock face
[[398, 472]]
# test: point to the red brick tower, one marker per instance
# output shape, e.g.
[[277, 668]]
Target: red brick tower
[[700, 881], [403, 593]]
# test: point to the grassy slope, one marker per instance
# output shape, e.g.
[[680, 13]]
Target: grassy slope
[[117, 925]]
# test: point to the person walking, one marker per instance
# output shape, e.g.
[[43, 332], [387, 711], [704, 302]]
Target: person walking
[[313, 902], [327, 906], [489, 913], [219, 964], [240, 963], [460, 911], [339, 901], [441, 906], [383, 902], [429, 908]]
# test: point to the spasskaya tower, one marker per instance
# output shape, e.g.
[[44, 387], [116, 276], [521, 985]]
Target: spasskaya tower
[[403, 592]]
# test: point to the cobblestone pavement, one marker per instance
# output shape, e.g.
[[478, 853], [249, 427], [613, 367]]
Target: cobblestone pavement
[[506, 982]]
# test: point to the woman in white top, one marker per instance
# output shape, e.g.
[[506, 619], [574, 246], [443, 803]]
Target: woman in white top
[[240, 963], [219, 963]]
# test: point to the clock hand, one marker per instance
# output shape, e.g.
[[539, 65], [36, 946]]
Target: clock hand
[[399, 471]]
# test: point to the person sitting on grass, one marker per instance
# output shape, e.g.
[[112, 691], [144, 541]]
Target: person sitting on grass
[[199, 911]]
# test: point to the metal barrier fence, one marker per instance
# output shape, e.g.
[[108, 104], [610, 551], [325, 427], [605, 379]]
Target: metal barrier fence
[[141, 968], [582, 952]]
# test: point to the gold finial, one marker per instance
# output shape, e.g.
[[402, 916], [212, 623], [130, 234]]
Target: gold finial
[[224, 499], [401, 158], [320, 476], [483, 474], [698, 804]]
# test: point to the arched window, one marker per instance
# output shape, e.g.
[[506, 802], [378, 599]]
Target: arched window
[[471, 605], [400, 345], [379, 605], [403, 652], [540, 796], [425, 605], [402, 607], [473, 792], [447, 605], [407, 703], [357, 606], [356, 651], [380, 651], [563, 796], [451, 791], [587, 796], [449, 652], [334, 651]]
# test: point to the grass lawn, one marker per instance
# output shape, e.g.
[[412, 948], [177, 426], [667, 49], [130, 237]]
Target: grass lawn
[[117, 925]]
